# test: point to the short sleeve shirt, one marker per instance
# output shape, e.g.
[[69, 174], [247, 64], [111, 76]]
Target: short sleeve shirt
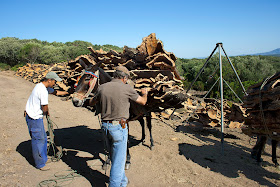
[[115, 97], [37, 98]]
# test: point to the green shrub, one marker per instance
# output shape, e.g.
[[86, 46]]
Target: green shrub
[[15, 68], [4, 66]]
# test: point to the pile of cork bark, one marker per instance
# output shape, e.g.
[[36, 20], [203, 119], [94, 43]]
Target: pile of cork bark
[[150, 67], [36, 72], [207, 112], [33, 72], [149, 64], [263, 108]]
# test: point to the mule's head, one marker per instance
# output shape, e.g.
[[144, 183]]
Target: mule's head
[[86, 84]]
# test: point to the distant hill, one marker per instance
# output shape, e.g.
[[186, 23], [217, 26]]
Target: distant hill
[[275, 52]]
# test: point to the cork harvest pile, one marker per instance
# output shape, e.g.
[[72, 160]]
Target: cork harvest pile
[[263, 108], [150, 67], [207, 112], [36, 72]]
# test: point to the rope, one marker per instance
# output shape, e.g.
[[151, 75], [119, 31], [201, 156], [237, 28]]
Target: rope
[[58, 180], [56, 154], [250, 140]]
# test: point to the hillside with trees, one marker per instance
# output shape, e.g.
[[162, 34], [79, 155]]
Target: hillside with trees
[[16, 52], [251, 70]]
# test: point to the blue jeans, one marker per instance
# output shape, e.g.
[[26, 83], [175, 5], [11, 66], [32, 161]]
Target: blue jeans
[[38, 141], [117, 137]]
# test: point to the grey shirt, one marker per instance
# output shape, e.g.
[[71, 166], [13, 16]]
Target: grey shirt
[[115, 99]]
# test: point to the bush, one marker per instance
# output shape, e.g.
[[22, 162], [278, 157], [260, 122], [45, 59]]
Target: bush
[[4, 66], [9, 50], [15, 68]]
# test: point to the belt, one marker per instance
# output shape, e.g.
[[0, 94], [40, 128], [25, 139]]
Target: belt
[[115, 122]]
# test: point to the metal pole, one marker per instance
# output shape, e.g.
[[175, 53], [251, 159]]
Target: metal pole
[[211, 88], [222, 98], [196, 77], [233, 91], [244, 91], [201, 69]]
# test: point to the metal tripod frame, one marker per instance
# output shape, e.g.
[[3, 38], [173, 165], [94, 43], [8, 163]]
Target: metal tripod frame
[[220, 46]]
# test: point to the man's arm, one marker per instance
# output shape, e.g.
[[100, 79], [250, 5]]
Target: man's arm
[[93, 101], [61, 92], [58, 92], [142, 100], [45, 109]]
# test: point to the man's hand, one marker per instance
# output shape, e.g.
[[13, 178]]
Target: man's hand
[[142, 99], [45, 109], [58, 92], [144, 91], [71, 90]]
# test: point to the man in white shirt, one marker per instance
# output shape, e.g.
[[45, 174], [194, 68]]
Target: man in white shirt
[[36, 108]]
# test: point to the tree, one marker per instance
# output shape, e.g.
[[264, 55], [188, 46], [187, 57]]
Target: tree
[[51, 54], [9, 50], [30, 52]]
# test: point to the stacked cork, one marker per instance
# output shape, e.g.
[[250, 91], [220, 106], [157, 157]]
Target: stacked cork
[[263, 108]]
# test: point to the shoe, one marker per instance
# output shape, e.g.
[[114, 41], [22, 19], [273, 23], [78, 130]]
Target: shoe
[[45, 168]]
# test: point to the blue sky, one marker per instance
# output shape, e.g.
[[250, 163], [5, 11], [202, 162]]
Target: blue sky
[[188, 28]]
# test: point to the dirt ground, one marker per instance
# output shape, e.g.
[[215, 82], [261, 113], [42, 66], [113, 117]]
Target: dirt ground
[[182, 156]]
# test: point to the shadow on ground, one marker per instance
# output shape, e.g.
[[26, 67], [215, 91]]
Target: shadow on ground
[[81, 145], [24, 148], [232, 160]]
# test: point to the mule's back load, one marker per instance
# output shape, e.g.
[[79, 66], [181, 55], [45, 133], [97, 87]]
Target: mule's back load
[[263, 108]]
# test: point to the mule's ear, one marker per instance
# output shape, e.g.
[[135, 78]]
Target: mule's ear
[[98, 63], [95, 66], [83, 64]]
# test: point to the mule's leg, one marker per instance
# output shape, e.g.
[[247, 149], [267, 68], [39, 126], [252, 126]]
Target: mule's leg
[[149, 124], [127, 163], [142, 123], [274, 147], [256, 148], [261, 146]]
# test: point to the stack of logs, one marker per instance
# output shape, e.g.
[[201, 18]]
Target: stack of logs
[[150, 67], [263, 108]]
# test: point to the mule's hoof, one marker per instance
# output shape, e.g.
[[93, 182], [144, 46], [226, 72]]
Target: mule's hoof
[[151, 147], [127, 166]]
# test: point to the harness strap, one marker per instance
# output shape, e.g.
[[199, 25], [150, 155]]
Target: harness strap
[[91, 87], [91, 73]]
